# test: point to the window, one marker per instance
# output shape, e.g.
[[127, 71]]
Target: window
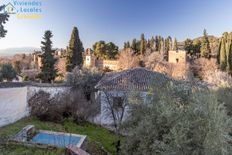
[[87, 96], [117, 102], [177, 60]]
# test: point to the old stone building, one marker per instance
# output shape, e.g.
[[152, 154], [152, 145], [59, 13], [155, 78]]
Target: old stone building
[[179, 56], [37, 59], [90, 60], [115, 88]]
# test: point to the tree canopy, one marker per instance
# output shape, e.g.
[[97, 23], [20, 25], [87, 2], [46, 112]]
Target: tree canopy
[[205, 46], [7, 72], [225, 52], [3, 19], [74, 52], [48, 71], [105, 50]]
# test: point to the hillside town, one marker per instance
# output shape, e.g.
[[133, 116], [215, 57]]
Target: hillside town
[[155, 95]]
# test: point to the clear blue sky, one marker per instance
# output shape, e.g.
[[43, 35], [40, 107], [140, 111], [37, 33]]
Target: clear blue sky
[[119, 20]]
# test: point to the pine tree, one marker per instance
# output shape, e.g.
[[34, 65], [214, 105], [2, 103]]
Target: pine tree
[[3, 18], [48, 71], [100, 49], [205, 46], [111, 50], [74, 52]]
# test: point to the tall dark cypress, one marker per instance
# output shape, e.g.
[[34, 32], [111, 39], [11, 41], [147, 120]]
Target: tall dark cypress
[[142, 44], [175, 46], [134, 45], [205, 46], [74, 52], [48, 72]]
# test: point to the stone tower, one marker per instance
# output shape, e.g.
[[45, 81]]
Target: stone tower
[[90, 59]]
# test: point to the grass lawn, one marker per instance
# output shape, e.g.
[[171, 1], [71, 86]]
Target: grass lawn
[[94, 133]]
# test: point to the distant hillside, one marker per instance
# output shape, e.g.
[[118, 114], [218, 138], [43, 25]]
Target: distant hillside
[[211, 37], [12, 51]]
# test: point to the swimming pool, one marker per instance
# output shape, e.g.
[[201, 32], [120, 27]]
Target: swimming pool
[[58, 139]]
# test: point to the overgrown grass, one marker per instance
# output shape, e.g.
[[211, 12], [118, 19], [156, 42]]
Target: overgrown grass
[[94, 133]]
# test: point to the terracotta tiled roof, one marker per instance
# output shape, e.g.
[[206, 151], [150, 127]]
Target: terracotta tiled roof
[[138, 79]]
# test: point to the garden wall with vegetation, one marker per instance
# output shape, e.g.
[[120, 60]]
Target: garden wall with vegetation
[[14, 99]]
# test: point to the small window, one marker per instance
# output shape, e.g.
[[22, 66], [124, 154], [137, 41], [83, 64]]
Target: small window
[[177, 60], [88, 96], [117, 102]]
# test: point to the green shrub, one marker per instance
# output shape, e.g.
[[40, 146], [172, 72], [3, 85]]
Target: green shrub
[[167, 127]]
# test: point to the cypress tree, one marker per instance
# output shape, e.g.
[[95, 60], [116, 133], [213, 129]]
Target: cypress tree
[[48, 71], [152, 42], [161, 51], [223, 54], [148, 44], [175, 46], [156, 43], [188, 46], [134, 45], [74, 51], [229, 53], [160, 44], [205, 47], [168, 44], [128, 44], [3, 18], [125, 45], [142, 44]]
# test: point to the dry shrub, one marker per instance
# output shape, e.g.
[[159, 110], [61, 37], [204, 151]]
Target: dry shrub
[[151, 60], [164, 68], [128, 59], [202, 65], [180, 71], [44, 107], [85, 106], [73, 104], [207, 70]]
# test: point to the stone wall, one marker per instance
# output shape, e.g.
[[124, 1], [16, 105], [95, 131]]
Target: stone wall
[[177, 56]]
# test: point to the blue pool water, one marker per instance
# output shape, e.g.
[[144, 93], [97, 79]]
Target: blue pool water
[[56, 139]]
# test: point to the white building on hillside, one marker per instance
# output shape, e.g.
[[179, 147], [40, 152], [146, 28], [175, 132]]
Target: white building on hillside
[[114, 88]]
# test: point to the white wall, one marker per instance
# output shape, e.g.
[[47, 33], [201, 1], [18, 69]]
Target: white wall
[[14, 101], [104, 117], [32, 90], [13, 105]]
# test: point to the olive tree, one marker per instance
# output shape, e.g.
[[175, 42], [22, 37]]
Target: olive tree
[[199, 125], [7, 72]]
